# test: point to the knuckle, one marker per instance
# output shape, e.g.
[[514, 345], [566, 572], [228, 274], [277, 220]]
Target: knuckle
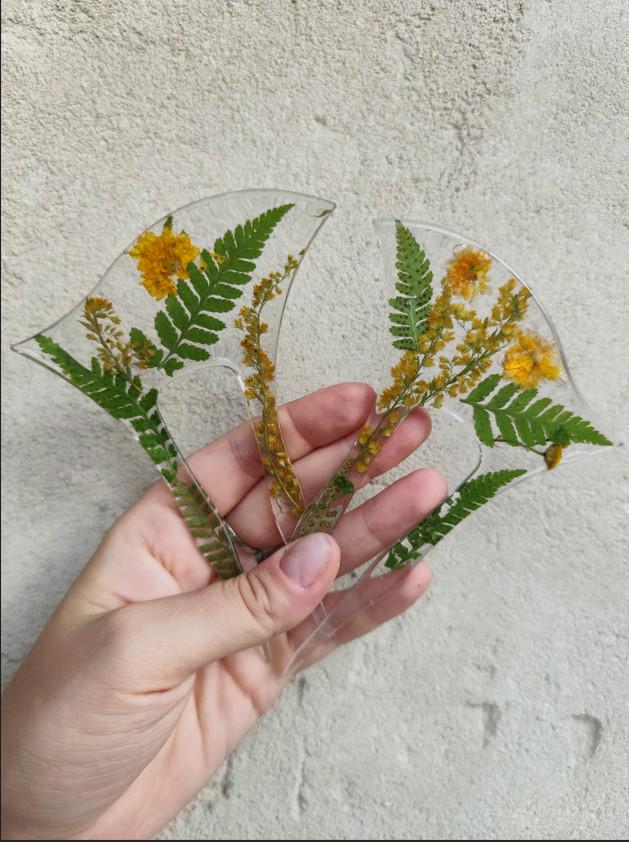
[[257, 594]]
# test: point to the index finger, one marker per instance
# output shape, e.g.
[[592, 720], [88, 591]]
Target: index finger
[[230, 466]]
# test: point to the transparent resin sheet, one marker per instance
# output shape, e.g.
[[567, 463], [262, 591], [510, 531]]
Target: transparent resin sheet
[[470, 343], [202, 291]]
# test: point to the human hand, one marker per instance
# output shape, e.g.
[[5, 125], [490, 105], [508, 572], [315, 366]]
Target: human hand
[[150, 671]]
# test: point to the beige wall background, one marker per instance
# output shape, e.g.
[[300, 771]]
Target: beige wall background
[[497, 708]]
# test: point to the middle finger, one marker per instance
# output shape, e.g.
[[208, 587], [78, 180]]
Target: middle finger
[[252, 519]]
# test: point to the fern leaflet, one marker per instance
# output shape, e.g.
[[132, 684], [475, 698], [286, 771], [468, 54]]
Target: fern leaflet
[[206, 528], [522, 421], [410, 309], [121, 398], [471, 496], [186, 327]]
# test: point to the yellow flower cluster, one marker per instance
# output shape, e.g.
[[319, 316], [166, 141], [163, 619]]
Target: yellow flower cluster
[[162, 259], [407, 389], [103, 328], [460, 370], [404, 374], [484, 338], [467, 272], [114, 352], [531, 359], [277, 465], [100, 307], [370, 440], [553, 455]]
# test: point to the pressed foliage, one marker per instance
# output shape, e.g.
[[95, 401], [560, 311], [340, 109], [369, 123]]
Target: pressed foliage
[[471, 496], [447, 350], [523, 419], [285, 487], [445, 333], [186, 327], [206, 527]]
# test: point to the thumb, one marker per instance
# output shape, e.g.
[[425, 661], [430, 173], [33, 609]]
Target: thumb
[[177, 635]]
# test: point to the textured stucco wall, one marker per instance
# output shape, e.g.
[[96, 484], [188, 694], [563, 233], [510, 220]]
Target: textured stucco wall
[[498, 707]]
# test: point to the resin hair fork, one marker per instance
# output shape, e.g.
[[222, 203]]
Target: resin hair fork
[[468, 339], [171, 302]]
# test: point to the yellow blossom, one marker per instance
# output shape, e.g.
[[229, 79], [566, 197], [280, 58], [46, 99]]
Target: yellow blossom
[[553, 455], [531, 359], [467, 272], [162, 259], [96, 304], [365, 434], [285, 486]]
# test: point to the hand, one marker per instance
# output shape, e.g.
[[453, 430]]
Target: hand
[[150, 671]]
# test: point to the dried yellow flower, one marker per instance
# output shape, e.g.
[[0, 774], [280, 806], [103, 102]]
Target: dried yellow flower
[[365, 434], [114, 352], [531, 359], [277, 465], [553, 455], [162, 259], [97, 305], [467, 272]]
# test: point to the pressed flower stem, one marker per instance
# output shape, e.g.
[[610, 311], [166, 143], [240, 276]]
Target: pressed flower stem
[[95, 325], [330, 498], [501, 440], [275, 459], [119, 368], [262, 398]]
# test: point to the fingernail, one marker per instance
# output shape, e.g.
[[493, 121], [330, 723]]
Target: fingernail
[[305, 560]]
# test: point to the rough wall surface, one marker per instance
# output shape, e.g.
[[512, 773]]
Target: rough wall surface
[[497, 708]]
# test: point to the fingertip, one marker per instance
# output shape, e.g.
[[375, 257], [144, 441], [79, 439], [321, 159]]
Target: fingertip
[[417, 581], [434, 484], [422, 419], [356, 399], [328, 414], [418, 494], [422, 576], [311, 562], [410, 434]]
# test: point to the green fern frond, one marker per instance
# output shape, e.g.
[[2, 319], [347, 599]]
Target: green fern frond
[[410, 309], [471, 496], [121, 398], [185, 327], [206, 528], [523, 422]]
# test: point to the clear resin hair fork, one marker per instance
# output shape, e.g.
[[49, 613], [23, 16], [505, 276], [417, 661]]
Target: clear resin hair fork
[[166, 304], [467, 338]]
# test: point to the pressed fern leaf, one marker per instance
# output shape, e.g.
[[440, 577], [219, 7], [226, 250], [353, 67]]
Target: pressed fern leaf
[[471, 496], [121, 398], [186, 327], [206, 528], [522, 421], [410, 309]]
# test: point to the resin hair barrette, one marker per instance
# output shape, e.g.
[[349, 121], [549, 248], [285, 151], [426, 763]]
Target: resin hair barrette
[[207, 286]]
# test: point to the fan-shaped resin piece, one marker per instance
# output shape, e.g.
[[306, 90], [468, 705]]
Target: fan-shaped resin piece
[[166, 304], [468, 338]]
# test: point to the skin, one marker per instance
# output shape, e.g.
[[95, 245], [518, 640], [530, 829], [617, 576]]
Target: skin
[[151, 670]]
